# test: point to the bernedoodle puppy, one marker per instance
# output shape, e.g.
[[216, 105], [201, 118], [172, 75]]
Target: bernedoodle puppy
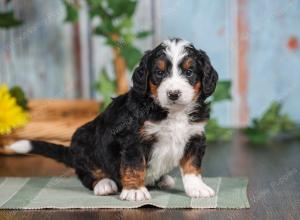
[[145, 133]]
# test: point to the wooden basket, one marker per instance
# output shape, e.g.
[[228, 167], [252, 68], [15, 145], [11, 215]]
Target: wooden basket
[[53, 120]]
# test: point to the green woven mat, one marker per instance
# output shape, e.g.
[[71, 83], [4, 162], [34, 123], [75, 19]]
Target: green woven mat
[[63, 193]]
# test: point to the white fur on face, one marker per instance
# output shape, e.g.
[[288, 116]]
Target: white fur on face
[[175, 52]]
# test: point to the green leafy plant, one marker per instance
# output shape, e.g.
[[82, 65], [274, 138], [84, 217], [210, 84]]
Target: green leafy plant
[[106, 87], [269, 125], [8, 20], [222, 92], [71, 12], [116, 27], [213, 130]]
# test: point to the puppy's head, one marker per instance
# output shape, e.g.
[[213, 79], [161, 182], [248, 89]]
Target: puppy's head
[[175, 74]]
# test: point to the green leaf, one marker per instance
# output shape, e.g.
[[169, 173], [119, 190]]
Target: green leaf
[[18, 93], [105, 87], [106, 28], [214, 132], [222, 91], [128, 38], [269, 125], [143, 34], [72, 14], [7, 20], [94, 3], [112, 43], [126, 22], [120, 8], [97, 9], [131, 55], [287, 123], [256, 136]]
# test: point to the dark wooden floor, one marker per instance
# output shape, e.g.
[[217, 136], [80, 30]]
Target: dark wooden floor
[[274, 188]]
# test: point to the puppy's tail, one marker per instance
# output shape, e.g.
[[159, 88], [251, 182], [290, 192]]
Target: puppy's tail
[[57, 152]]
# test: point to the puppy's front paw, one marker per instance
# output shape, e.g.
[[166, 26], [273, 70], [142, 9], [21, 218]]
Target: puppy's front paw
[[140, 194], [195, 187], [105, 187]]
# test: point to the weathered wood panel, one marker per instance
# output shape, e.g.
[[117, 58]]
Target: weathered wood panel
[[38, 54], [274, 55]]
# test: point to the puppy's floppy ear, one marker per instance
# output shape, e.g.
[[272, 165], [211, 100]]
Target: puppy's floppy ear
[[210, 76], [140, 75]]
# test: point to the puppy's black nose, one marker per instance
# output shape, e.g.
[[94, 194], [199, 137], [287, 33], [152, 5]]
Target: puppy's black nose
[[173, 94]]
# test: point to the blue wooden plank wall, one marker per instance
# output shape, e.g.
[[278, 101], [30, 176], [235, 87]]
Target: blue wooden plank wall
[[253, 43], [274, 55], [38, 55]]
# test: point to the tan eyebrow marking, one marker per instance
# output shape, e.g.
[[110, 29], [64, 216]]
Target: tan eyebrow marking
[[161, 64], [187, 63]]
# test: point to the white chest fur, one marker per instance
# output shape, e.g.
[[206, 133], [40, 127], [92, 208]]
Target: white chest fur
[[171, 134]]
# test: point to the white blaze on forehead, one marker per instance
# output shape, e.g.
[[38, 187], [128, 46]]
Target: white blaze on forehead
[[175, 50]]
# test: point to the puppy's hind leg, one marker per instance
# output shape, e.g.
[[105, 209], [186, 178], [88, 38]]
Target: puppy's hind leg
[[86, 178]]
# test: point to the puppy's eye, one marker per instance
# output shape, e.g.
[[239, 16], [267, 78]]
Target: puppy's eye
[[159, 73], [189, 73]]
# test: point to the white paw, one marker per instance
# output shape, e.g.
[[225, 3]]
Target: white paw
[[195, 187], [166, 182], [105, 187], [140, 194]]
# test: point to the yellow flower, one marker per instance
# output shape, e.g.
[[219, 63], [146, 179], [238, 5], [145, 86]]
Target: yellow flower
[[11, 115]]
